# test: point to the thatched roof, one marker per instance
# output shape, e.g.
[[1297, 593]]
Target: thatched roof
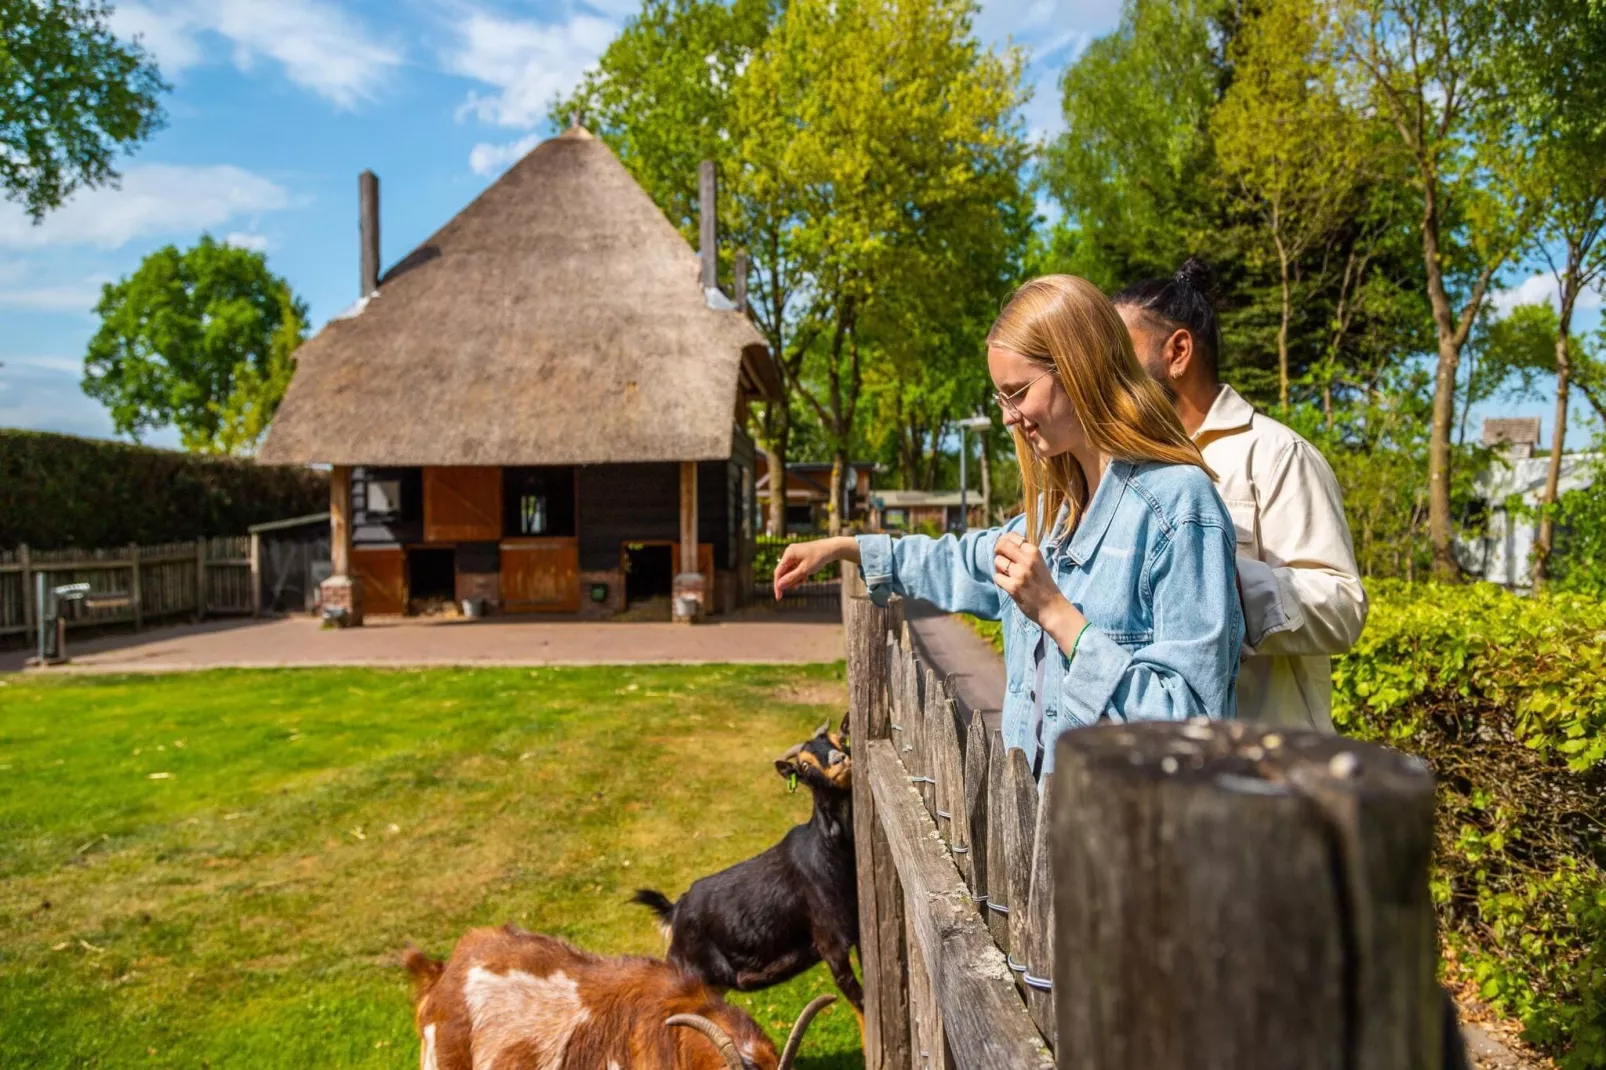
[[558, 319]]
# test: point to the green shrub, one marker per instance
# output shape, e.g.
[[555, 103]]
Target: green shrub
[[769, 551], [58, 491], [1506, 697]]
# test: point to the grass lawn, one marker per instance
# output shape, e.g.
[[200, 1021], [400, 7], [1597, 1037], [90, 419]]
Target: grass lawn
[[218, 869]]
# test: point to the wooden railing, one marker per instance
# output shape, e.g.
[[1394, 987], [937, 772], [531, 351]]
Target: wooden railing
[[1209, 895], [195, 579]]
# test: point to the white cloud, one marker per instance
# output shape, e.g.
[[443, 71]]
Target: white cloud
[[154, 199], [320, 46], [257, 243], [527, 63], [73, 366], [1538, 289], [486, 158], [78, 297], [1054, 33]]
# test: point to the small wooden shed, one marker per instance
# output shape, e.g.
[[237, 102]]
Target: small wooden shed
[[543, 406]]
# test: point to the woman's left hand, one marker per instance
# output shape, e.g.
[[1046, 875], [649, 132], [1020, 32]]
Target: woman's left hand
[[1019, 569]]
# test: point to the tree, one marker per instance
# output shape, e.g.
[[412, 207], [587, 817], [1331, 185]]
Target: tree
[[1289, 144], [881, 145], [199, 340], [1553, 43], [1427, 71], [71, 96]]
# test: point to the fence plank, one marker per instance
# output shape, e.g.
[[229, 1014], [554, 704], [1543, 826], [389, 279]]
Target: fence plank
[[986, 1022], [949, 764], [1037, 949], [997, 869], [867, 719], [1227, 896], [976, 805], [1020, 822], [28, 593], [136, 590]]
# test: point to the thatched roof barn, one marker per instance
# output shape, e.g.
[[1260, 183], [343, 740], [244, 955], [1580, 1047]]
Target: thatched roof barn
[[558, 337], [558, 319]]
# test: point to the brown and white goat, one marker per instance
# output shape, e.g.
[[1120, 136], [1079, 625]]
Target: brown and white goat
[[513, 1000]]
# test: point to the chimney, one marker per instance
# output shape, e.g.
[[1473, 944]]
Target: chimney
[[739, 284], [707, 225], [368, 217]]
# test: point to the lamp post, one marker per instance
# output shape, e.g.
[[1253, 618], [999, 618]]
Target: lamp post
[[974, 423]]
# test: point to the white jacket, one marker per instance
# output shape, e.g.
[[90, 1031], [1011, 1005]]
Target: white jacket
[[1301, 591]]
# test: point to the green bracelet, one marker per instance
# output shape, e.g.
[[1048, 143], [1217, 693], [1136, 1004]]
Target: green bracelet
[[1086, 624]]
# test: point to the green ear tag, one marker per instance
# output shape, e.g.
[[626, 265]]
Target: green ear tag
[[791, 783]]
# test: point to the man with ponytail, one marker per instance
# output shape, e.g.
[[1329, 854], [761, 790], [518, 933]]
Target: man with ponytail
[[1301, 591]]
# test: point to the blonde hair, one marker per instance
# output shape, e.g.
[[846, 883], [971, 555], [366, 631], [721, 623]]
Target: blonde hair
[[1067, 324]]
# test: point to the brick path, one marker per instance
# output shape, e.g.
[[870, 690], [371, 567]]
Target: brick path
[[299, 641]]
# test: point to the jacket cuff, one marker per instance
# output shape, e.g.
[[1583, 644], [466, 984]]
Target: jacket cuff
[[875, 565], [1265, 611], [1093, 675]]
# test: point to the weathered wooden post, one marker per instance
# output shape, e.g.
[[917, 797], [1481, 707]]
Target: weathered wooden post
[[881, 921], [1230, 896], [136, 588], [256, 574], [28, 607], [200, 578]]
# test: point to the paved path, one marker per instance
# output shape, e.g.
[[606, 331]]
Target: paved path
[[299, 641]]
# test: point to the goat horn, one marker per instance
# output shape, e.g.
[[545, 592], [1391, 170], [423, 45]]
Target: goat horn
[[800, 1027], [721, 1039]]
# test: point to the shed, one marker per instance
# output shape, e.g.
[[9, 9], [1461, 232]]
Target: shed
[[541, 406]]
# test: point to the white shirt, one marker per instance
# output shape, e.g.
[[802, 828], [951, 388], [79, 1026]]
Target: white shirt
[[1301, 590]]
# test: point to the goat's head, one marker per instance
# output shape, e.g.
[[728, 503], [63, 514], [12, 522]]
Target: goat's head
[[821, 762], [727, 1047]]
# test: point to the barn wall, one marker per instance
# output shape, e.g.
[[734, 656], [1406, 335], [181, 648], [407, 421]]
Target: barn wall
[[641, 502]]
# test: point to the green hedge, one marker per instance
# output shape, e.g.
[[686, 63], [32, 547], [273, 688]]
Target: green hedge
[[1506, 697], [58, 491]]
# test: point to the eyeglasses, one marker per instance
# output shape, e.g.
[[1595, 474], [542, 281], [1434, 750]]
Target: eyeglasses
[[1007, 403]]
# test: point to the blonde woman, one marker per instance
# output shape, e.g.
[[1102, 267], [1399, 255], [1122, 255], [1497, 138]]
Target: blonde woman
[[1117, 584]]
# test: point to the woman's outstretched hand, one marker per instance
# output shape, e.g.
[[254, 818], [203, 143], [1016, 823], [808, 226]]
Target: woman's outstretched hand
[[1020, 572], [803, 559]]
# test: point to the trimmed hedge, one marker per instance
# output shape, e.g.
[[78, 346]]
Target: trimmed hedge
[[58, 491], [1506, 697]]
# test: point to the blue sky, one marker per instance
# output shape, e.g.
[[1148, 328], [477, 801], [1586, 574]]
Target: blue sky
[[278, 104]]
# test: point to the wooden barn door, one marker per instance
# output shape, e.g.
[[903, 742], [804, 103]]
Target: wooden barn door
[[541, 575], [383, 572], [462, 504]]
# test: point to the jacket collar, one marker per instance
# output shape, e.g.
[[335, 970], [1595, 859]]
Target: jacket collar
[[1100, 511], [1229, 412]]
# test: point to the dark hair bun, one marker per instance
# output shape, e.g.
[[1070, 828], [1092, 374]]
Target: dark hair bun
[[1197, 274]]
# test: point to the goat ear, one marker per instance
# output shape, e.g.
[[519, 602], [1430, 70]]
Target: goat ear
[[785, 767]]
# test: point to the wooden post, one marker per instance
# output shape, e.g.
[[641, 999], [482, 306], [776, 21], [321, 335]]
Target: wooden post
[[200, 577], [28, 607], [256, 574], [688, 516], [865, 625], [341, 590], [1228, 895], [135, 586]]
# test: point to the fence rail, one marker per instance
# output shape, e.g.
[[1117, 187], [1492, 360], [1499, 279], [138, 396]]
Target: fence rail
[[1188, 896], [198, 578]]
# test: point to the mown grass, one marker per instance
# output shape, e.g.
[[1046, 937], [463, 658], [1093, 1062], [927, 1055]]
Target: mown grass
[[218, 869]]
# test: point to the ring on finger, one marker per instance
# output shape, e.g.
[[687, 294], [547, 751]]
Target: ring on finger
[[1006, 568]]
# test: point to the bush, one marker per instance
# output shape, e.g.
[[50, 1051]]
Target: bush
[[1506, 697], [58, 491], [768, 555]]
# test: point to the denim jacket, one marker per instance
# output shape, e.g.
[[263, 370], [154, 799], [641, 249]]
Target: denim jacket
[[1152, 568]]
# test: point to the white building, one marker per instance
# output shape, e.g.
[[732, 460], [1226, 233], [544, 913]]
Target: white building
[[1504, 554]]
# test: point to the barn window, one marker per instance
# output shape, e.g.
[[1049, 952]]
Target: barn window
[[538, 502]]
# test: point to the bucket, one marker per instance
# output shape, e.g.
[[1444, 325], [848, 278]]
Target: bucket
[[474, 608]]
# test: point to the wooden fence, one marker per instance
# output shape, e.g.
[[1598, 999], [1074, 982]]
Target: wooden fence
[[1189, 895], [194, 579]]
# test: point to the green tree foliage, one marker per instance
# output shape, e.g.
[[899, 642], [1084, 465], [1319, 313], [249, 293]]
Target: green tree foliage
[[200, 340], [71, 97], [883, 141]]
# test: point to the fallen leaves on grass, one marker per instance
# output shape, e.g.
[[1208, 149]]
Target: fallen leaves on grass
[[159, 776]]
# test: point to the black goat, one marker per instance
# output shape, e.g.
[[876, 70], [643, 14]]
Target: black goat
[[768, 919]]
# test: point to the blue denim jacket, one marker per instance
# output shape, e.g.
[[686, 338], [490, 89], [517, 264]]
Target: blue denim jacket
[[1151, 566]]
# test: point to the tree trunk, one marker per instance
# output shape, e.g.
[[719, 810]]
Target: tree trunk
[[1282, 330], [839, 469], [1547, 502], [778, 433], [1439, 531]]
